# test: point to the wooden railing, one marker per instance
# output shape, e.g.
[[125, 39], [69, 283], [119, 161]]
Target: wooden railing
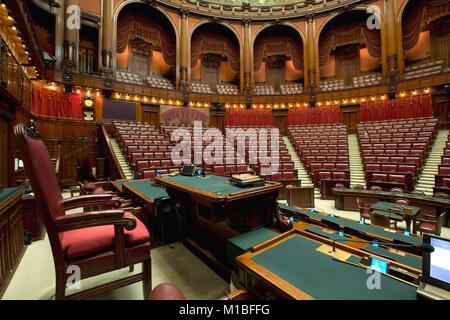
[[114, 167]]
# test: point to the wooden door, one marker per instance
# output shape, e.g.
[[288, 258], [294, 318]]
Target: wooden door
[[280, 121], [217, 119], [150, 114], [350, 117]]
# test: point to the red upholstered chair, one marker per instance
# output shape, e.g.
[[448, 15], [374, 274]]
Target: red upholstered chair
[[323, 175], [339, 175], [379, 177], [389, 167], [288, 175], [218, 169], [445, 171], [446, 182], [148, 174], [431, 225], [418, 192], [398, 178], [373, 167], [96, 242]]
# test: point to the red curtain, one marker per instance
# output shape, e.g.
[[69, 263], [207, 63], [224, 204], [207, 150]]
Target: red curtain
[[345, 33], [249, 117], [56, 104], [416, 14], [410, 107], [319, 115], [279, 42], [133, 23], [213, 41]]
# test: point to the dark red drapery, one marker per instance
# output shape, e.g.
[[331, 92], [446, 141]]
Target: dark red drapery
[[348, 33], [136, 24], [249, 117], [410, 107], [221, 43], [319, 115], [279, 42], [418, 13], [56, 104]]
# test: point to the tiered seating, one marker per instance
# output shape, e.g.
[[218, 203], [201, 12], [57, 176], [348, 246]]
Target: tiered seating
[[260, 161], [294, 88], [332, 85], [394, 151], [201, 87], [367, 80], [158, 82], [442, 179], [424, 69], [128, 78], [230, 89], [323, 150], [145, 148], [264, 90]]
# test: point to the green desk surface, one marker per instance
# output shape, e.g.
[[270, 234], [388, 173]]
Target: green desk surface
[[211, 183], [145, 189], [385, 206], [357, 226], [242, 243], [119, 183], [7, 192], [444, 202], [296, 261], [412, 261], [323, 233]]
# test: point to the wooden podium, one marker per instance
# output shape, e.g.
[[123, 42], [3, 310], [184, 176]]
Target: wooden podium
[[298, 196]]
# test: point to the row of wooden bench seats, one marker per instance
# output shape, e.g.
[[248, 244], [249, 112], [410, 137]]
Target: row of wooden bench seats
[[387, 180], [416, 160], [392, 167], [393, 152]]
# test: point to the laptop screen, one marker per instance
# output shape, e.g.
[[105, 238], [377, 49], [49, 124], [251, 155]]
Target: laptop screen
[[436, 265]]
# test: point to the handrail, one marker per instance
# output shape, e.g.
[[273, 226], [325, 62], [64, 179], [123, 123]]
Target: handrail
[[111, 152]]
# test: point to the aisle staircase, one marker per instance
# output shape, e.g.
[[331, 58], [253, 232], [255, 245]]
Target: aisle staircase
[[425, 182], [298, 165], [120, 157], [356, 165]]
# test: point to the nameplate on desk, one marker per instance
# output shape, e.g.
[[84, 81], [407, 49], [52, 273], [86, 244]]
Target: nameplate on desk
[[337, 253]]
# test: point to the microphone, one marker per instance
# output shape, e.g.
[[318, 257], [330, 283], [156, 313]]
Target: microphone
[[422, 247]]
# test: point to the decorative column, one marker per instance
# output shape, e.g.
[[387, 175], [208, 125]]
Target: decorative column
[[184, 55], [72, 25], [248, 68], [59, 34], [311, 58], [391, 41], [107, 32]]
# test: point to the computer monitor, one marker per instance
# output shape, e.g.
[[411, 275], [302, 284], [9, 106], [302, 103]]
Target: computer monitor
[[436, 264], [379, 265], [188, 170]]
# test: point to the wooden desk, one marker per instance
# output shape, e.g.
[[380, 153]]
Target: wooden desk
[[361, 230], [156, 204], [11, 234], [345, 199], [32, 221], [298, 265], [395, 212], [211, 210], [327, 186]]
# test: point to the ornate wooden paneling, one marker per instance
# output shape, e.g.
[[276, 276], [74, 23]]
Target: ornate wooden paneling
[[11, 236]]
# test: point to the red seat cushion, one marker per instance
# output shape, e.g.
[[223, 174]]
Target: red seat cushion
[[89, 241]]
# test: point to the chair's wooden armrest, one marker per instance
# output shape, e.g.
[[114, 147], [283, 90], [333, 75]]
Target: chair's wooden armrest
[[90, 200], [238, 295], [94, 219], [427, 219]]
